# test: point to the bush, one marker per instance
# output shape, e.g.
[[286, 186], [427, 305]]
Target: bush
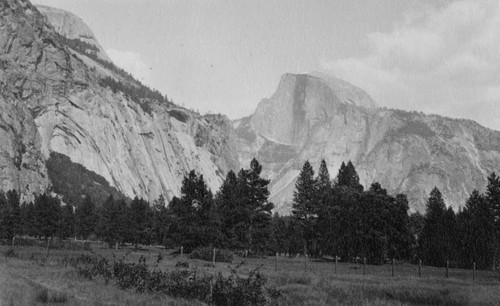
[[45, 297], [10, 253], [236, 290], [182, 264], [221, 255]]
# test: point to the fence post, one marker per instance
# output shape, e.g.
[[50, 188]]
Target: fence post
[[420, 268], [182, 250], [474, 272], [393, 267], [305, 258], [13, 239], [364, 265], [276, 262], [447, 269], [336, 264], [48, 246], [213, 260]]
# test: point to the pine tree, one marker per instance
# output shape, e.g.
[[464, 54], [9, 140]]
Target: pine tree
[[112, 225], [10, 214], [227, 202], [481, 230], [139, 221], [67, 224], [432, 242], [86, 219], [348, 177], [493, 198], [253, 192], [47, 215], [305, 195], [161, 220]]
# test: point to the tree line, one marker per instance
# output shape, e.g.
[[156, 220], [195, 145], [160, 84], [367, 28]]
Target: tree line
[[330, 217]]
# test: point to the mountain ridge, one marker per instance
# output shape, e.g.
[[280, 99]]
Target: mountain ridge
[[59, 98]]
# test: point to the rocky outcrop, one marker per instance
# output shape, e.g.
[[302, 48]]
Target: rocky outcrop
[[54, 103], [73, 27], [312, 118]]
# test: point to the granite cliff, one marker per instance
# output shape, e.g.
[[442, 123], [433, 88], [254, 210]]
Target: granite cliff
[[313, 117], [53, 100], [62, 108]]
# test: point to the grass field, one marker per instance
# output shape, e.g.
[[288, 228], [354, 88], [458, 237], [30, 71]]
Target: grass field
[[29, 278]]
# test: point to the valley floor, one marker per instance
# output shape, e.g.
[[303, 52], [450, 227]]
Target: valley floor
[[29, 279]]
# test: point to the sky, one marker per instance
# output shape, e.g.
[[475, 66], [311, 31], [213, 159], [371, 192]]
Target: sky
[[225, 56]]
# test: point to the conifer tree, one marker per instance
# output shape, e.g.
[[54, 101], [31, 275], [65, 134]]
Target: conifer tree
[[10, 214], [256, 219], [139, 221], [47, 215], [305, 195], [67, 223], [86, 218], [493, 198], [432, 242], [480, 240], [348, 177]]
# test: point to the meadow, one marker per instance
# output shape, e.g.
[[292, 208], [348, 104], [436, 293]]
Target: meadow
[[28, 277]]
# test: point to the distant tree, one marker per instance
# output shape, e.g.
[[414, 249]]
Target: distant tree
[[139, 221], [481, 234], [348, 177], [195, 222], [10, 214], [161, 220], [86, 218], [254, 193], [67, 223], [305, 205], [28, 226], [305, 195], [228, 203], [432, 242], [47, 215], [493, 198], [416, 223], [112, 225]]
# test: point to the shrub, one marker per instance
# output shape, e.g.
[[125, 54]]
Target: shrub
[[236, 290], [221, 255], [182, 264], [45, 297], [10, 253]]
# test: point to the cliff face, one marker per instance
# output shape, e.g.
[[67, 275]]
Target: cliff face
[[313, 118], [52, 101]]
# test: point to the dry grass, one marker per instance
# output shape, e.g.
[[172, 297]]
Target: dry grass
[[318, 285]]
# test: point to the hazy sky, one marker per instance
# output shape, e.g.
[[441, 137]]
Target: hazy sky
[[225, 56]]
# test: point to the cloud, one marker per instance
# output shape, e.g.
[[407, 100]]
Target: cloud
[[132, 63], [442, 60]]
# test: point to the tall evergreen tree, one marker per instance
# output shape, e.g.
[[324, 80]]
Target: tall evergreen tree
[[254, 193], [47, 215], [112, 225], [493, 198], [481, 238], [305, 195], [10, 214], [86, 219], [348, 177], [67, 223], [432, 242], [139, 221]]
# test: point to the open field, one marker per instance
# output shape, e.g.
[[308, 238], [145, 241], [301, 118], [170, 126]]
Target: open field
[[30, 279]]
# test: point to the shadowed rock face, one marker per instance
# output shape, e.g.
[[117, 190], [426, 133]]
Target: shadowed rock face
[[51, 101], [311, 118]]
